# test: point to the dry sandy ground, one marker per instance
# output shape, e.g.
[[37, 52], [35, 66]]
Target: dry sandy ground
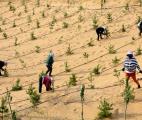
[[64, 103]]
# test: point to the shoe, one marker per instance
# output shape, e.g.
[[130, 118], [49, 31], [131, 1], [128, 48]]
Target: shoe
[[139, 86]]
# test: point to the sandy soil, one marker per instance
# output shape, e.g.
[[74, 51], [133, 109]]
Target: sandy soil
[[64, 103]]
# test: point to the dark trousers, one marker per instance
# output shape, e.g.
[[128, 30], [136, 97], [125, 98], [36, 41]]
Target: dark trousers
[[49, 67], [40, 85]]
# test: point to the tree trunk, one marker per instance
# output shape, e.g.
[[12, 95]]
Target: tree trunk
[[125, 110]]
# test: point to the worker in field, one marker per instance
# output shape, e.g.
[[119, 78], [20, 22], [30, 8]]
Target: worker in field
[[49, 62], [47, 81], [130, 66], [2, 64]]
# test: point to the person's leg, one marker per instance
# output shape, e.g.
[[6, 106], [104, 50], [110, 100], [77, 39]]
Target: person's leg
[[127, 78], [47, 69], [133, 75], [50, 71]]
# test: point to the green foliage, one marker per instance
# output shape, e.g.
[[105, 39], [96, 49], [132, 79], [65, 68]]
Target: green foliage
[[123, 28], [43, 14], [34, 96], [65, 15], [42, 74], [115, 61], [37, 24], [90, 78], [14, 24], [81, 8], [65, 25], [12, 8], [138, 51], [116, 73], [72, 80], [5, 35], [14, 115], [90, 43], [17, 86], [37, 3], [25, 9], [111, 49], [86, 55], [38, 49], [33, 37], [3, 105], [140, 1], [69, 51], [109, 17], [128, 95], [22, 63], [95, 22], [97, 70], [29, 19], [80, 18], [15, 43], [1, 30], [105, 109], [127, 6], [67, 67]]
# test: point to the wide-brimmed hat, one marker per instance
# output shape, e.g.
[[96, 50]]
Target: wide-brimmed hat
[[129, 53]]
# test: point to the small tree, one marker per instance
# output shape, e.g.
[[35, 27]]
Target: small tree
[[72, 81], [15, 43], [69, 51], [96, 70], [123, 28], [38, 49], [5, 35], [115, 61], [95, 22], [127, 7], [138, 51], [67, 67], [109, 17], [3, 106], [33, 36], [86, 55], [105, 109], [43, 14], [90, 78], [65, 25], [65, 15], [17, 86], [90, 43], [111, 49], [128, 95], [82, 100], [37, 24], [34, 96], [14, 24]]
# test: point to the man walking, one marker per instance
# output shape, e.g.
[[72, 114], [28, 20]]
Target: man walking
[[49, 63], [130, 66]]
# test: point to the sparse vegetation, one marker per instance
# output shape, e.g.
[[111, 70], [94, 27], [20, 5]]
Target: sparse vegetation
[[90, 78], [109, 17], [97, 70], [111, 49], [128, 96], [127, 7], [5, 35], [105, 109], [138, 51], [115, 61], [69, 51], [34, 96], [37, 24], [82, 100], [95, 22], [67, 67], [86, 55], [37, 49], [123, 28], [65, 25], [33, 37], [72, 80], [90, 43], [17, 86]]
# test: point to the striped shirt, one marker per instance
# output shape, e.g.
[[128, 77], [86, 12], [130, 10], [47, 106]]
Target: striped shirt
[[131, 65]]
